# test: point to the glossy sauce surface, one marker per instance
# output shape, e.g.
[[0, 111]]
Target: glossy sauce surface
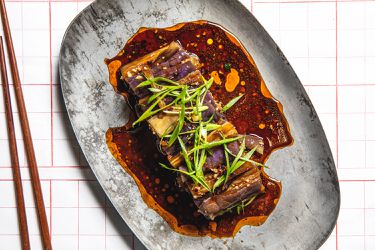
[[224, 58]]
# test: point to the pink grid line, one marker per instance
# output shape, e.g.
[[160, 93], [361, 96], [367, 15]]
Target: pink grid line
[[50, 208], [337, 104], [50, 67], [337, 96], [78, 217], [105, 222], [309, 2], [52, 1], [364, 213]]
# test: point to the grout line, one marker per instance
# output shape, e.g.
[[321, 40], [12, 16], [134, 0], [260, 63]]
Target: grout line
[[341, 85], [358, 208], [306, 84], [55, 1], [105, 222], [358, 168], [49, 167], [23, 47], [337, 120], [94, 180], [103, 207], [48, 179], [365, 89], [71, 138], [307, 1], [50, 208], [71, 207], [97, 235], [364, 214], [42, 139], [51, 80], [36, 83], [78, 183], [366, 180], [308, 39], [279, 21], [336, 78], [38, 112]]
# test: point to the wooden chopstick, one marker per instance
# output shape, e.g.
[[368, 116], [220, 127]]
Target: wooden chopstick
[[22, 219], [30, 154]]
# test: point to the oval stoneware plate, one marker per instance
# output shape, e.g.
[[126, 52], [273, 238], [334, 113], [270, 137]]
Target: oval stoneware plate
[[309, 205]]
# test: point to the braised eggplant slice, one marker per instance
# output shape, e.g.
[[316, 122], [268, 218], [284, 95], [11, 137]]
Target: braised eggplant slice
[[243, 187], [172, 64]]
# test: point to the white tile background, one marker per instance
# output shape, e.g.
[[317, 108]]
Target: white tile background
[[330, 44]]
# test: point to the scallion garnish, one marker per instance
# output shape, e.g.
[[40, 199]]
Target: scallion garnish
[[181, 118], [214, 144], [187, 103], [244, 204], [227, 66], [231, 103], [184, 154]]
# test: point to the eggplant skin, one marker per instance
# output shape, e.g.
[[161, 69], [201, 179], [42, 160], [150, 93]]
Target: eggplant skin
[[246, 185], [171, 61], [177, 64]]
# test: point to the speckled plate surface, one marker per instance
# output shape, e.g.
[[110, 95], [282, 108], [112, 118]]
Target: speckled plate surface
[[309, 205]]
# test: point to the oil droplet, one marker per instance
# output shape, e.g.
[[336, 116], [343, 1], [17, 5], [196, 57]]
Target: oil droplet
[[213, 225], [262, 126], [233, 79], [113, 67], [216, 77], [198, 35], [170, 199], [210, 41], [243, 83], [220, 46]]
